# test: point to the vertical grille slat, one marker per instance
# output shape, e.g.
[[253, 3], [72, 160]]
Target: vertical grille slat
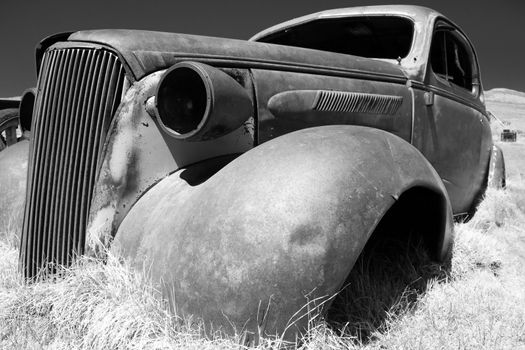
[[79, 90]]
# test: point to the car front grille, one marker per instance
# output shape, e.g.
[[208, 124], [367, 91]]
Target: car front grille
[[79, 90]]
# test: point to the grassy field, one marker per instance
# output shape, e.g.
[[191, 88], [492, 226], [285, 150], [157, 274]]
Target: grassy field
[[477, 301]]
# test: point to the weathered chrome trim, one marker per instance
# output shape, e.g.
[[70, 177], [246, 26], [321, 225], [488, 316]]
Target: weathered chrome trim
[[78, 92], [447, 94], [357, 102]]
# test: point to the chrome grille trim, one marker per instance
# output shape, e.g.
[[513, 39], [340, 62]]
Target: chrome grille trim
[[79, 90]]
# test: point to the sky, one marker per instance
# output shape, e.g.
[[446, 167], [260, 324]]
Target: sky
[[496, 28]]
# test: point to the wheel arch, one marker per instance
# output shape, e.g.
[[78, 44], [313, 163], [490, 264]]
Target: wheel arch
[[424, 209]]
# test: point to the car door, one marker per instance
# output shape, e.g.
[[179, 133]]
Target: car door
[[450, 126]]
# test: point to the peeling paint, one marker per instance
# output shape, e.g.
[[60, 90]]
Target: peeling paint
[[139, 154]]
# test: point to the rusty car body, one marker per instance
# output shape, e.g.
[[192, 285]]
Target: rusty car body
[[246, 177]]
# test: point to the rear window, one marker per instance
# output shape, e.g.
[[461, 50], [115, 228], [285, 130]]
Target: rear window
[[370, 36]]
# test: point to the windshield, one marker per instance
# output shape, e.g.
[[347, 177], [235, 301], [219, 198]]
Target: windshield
[[367, 36]]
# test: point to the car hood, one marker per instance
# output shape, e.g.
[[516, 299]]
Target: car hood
[[146, 51]]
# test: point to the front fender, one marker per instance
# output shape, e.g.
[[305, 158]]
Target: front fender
[[278, 226]]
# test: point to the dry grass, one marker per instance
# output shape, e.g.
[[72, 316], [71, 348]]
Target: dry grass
[[477, 303], [93, 306], [482, 306]]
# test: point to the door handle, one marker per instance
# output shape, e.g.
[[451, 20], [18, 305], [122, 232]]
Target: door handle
[[429, 98]]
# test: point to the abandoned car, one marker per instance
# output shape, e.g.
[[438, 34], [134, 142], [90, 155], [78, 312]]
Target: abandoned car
[[246, 177]]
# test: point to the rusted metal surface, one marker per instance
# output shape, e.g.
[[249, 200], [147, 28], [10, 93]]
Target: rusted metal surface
[[244, 225], [300, 102], [457, 141], [282, 103], [139, 153], [146, 52]]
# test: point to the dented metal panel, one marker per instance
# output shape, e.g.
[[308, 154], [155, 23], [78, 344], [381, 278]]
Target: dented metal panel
[[456, 140], [279, 226]]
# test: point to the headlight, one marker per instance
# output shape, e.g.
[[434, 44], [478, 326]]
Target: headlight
[[197, 102]]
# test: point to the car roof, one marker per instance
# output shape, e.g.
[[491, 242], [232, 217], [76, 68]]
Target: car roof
[[417, 13]]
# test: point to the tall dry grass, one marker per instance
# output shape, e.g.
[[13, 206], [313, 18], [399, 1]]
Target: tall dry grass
[[401, 301]]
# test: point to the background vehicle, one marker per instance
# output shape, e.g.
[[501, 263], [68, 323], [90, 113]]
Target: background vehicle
[[13, 166], [248, 176]]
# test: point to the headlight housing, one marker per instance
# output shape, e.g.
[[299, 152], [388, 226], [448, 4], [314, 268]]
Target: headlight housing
[[197, 102]]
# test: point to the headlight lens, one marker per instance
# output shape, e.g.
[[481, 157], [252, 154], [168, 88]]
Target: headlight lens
[[182, 100]]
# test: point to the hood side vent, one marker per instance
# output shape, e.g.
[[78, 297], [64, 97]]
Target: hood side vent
[[356, 102]]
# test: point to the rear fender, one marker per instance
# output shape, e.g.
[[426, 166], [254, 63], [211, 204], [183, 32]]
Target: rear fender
[[496, 173], [280, 225]]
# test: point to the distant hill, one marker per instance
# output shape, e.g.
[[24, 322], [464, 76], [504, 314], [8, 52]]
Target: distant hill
[[505, 96]]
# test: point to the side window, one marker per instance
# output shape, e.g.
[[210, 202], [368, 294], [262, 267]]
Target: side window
[[438, 55], [451, 58], [459, 62]]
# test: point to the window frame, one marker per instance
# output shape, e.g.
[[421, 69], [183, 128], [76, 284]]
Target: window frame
[[451, 30], [393, 60]]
